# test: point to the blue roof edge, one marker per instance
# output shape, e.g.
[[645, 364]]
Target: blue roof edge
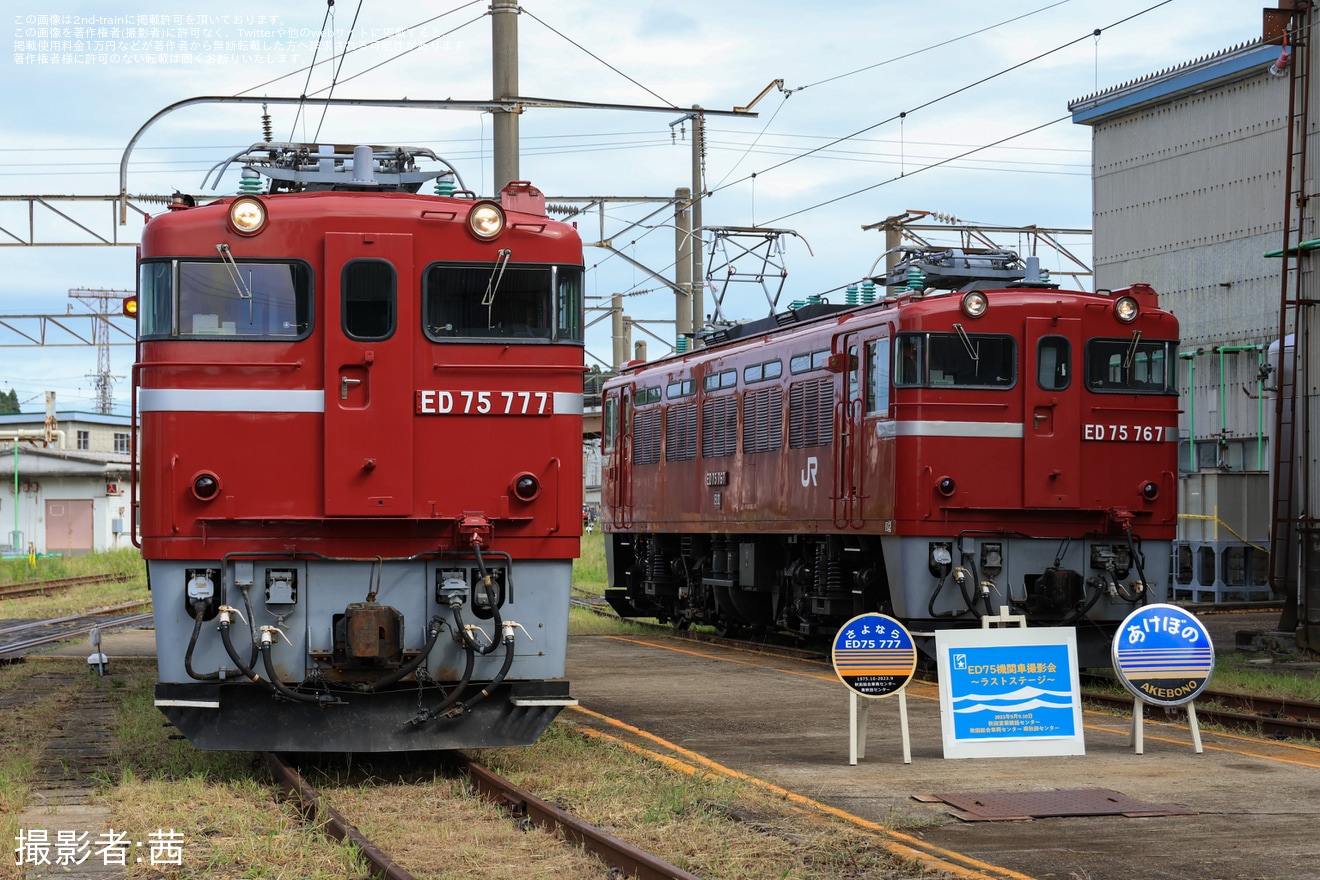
[[1231, 64]]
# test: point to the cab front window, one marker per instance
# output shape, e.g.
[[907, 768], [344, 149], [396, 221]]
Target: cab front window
[[197, 299], [955, 360], [1131, 366], [471, 301]]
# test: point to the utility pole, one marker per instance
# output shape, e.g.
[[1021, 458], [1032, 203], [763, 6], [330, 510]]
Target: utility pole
[[683, 337], [620, 338], [698, 243], [504, 62]]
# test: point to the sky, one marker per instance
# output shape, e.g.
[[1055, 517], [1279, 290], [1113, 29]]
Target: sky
[[885, 107]]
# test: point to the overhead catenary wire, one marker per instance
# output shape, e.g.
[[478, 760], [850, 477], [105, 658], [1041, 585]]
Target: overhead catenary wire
[[569, 40], [329, 8], [399, 55], [933, 101], [314, 64], [929, 48], [919, 170], [339, 67]]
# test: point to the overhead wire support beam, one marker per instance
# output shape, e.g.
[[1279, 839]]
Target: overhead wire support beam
[[41, 207], [63, 331], [651, 272]]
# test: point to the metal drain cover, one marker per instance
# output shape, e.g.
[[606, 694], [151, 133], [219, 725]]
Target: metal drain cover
[[990, 806]]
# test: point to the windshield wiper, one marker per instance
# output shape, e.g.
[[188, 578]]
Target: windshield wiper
[[972, 351], [493, 283], [244, 289], [1132, 350]]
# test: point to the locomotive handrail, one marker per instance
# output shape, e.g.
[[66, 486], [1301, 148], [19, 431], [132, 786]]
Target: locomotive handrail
[[133, 450], [559, 489], [297, 365], [545, 368], [914, 404]]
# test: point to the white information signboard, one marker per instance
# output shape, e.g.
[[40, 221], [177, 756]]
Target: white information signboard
[[1009, 692]]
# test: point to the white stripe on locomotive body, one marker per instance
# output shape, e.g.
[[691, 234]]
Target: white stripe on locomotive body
[[979, 430], [242, 400], [931, 428], [189, 704], [268, 400], [568, 403]]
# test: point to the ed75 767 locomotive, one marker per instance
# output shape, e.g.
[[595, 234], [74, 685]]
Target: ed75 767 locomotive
[[977, 440], [361, 470]]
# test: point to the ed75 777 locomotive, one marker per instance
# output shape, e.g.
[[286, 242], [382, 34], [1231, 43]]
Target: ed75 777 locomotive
[[361, 469], [976, 440]]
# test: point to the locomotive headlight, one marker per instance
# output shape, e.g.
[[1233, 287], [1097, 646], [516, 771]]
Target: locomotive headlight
[[1150, 490], [247, 215], [1125, 309], [974, 304], [486, 220], [946, 486], [205, 486], [526, 487]]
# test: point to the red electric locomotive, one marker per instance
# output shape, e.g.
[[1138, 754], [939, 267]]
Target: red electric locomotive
[[977, 439], [361, 469]]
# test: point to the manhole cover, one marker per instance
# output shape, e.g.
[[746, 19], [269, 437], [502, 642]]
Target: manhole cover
[[972, 806]]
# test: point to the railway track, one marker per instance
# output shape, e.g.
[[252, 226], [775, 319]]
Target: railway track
[[1276, 717], [622, 858], [55, 585], [19, 639]]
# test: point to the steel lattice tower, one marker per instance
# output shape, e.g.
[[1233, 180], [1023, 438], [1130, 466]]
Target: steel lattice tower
[[103, 381]]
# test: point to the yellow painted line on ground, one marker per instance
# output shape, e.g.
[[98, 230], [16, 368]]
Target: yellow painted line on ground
[[901, 844]]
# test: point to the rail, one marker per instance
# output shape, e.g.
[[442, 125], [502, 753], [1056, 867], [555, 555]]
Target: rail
[[70, 627], [55, 585], [313, 807], [620, 856], [616, 853]]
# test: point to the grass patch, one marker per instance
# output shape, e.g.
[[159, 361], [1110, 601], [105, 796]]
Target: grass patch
[[1240, 674], [584, 622], [19, 570], [589, 575], [79, 599], [25, 724], [221, 803]]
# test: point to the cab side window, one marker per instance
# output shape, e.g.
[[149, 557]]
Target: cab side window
[[1053, 370], [369, 290]]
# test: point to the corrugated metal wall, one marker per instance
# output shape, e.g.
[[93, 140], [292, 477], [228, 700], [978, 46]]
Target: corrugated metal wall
[[1188, 196]]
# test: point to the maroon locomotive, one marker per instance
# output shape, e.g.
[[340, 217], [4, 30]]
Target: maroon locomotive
[[976, 439], [361, 416]]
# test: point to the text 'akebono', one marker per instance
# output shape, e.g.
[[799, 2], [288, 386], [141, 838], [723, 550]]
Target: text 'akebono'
[[480, 403]]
